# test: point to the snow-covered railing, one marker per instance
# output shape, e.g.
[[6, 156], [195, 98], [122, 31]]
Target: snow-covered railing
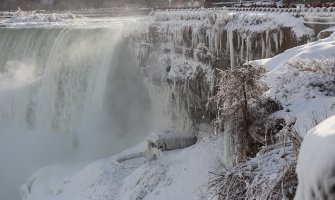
[[259, 9], [287, 10]]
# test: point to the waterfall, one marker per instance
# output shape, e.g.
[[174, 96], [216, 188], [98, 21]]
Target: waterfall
[[66, 71], [66, 94]]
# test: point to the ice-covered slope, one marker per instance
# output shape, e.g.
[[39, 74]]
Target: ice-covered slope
[[302, 79], [320, 49], [178, 175], [316, 163]]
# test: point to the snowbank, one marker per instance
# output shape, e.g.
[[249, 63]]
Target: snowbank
[[302, 79], [179, 175], [316, 163]]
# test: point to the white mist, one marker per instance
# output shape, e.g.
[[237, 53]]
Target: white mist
[[66, 95]]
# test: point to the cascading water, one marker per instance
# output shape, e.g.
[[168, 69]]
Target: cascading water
[[66, 94]]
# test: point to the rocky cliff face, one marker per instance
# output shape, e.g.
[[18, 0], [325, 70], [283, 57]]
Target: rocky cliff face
[[181, 50]]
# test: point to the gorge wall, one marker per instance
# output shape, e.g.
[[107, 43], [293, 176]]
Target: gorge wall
[[181, 50]]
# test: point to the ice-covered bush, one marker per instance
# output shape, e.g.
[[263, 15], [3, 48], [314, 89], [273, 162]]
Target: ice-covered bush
[[269, 175], [239, 90], [307, 78]]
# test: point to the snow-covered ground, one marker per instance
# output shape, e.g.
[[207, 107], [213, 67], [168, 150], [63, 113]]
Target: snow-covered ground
[[178, 174], [302, 79], [316, 163]]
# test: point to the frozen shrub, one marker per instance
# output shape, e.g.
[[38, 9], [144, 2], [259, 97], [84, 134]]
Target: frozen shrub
[[238, 91], [307, 78], [269, 175]]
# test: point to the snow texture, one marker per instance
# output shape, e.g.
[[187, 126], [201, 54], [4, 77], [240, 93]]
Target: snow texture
[[302, 79], [258, 178], [178, 175], [316, 163]]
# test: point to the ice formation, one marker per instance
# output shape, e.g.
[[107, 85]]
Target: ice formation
[[181, 49], [168, 140]]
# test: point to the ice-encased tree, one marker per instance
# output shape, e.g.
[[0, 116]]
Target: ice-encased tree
[[239, 89]]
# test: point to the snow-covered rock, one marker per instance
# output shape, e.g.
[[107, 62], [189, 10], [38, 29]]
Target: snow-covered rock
[[326, 33], [316, 163]]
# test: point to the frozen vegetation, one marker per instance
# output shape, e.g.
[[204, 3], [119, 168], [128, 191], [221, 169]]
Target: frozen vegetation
[[302, 80]]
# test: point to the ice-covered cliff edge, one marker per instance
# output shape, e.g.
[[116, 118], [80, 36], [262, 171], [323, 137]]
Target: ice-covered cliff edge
[[181, 49], [302, 79]]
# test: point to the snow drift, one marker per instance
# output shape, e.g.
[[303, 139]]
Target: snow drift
[[316, 163]]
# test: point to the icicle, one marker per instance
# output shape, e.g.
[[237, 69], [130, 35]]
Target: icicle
[[217, 42], [242, 47], [263, 46], [227, 42], [228, 146], [220, 38], [238, 39], [248, 56], [281, 38], [275, 39], [231, 48], [268, 42], [209, 40]]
